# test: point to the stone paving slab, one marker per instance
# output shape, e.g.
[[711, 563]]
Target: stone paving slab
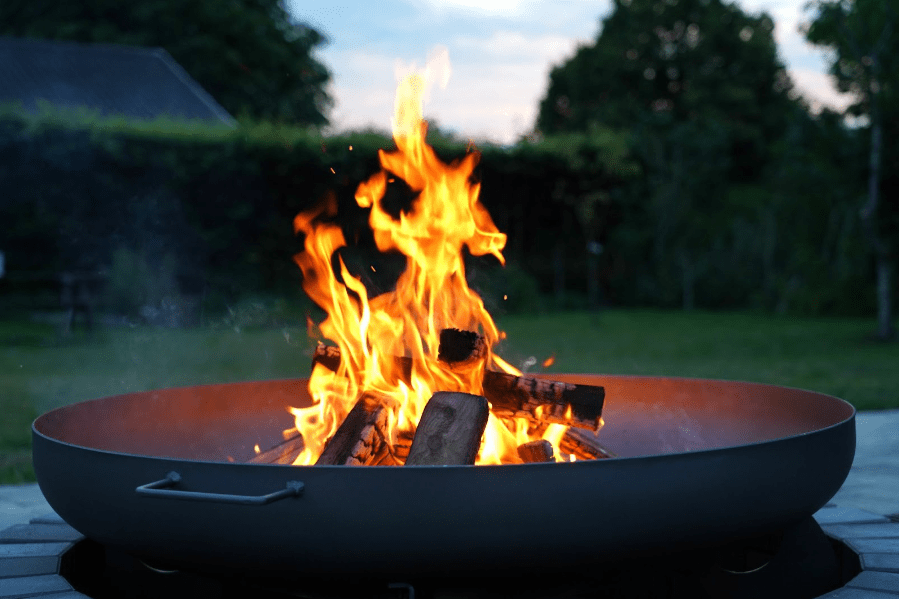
[[21, 559], [44, 533], [51, 518], [874, 545], [876, 581], [853, 593], [883, 562], [33, 586], [873, 482], [20, 503], [832, 515], [885, 530]]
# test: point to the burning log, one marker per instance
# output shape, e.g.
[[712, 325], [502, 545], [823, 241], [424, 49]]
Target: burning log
[[329, 357], [362, 437], [536, 451], [282, 453], [449, 431], [402, 445], [513, 396], [516, 396], [461, 349], [562, 403], [583, 446], [326, 355]]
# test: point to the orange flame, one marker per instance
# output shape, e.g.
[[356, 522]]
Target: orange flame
[[430, 295]]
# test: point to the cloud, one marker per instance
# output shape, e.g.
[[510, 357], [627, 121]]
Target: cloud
[[519, 47], [819, 90], [493, 7]]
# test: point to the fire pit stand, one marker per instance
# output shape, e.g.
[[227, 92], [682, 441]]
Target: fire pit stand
[[48, 558]]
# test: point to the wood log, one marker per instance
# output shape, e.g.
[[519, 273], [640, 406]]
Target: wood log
[[536, 451], [449, 431], [361, 437], [385, 458], [512, 396], [461, 350], [282, 453], [518, 396], [402, 445], [326, 355], [329, 357], [583, 445], [562, 403]]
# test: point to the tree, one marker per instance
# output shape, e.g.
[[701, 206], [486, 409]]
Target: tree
[[701, 90], [864, 38], [250, 55], [677, 61], [813, 249], [686, 173]]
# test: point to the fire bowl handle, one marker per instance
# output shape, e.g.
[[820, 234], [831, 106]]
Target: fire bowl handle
[[160, 488]]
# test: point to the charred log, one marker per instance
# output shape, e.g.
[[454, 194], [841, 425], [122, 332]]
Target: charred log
[[329, 357], [385, 457], [361, 438], [283, 453], [326, 355], [402, 444], [449, 431], [561, 403], [536, 451], [583, 446], [518, 396], [460, 349]]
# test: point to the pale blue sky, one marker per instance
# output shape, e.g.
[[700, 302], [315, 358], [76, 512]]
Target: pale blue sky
[[501, 53]]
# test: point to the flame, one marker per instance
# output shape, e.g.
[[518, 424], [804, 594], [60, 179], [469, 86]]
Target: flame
[[431, 294], [549, 361]]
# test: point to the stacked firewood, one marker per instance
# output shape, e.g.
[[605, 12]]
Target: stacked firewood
[[452, 424]]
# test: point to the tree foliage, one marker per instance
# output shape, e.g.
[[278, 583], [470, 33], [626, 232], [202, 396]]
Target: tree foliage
[[250, 55], [699, 88], [864, 38], [864, 35], [676, 61]]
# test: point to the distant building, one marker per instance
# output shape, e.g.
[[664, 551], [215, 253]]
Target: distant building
[[128, 81]]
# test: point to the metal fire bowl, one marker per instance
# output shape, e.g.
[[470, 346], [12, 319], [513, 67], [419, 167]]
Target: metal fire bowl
[[701, 463]]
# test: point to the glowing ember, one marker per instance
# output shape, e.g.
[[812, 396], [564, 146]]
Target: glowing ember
[[432, 294]]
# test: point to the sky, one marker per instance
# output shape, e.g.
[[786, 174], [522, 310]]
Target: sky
[[501, 54]]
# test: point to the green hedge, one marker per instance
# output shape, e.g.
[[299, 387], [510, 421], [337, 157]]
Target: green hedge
[[172, 209], [184, 214]]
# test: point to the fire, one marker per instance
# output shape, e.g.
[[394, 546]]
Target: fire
[[432, 293]]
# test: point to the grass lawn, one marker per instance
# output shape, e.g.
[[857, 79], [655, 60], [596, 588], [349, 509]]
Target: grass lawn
[[40, 370]]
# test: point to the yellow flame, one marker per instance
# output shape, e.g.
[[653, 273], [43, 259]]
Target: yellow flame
[[430, 295]]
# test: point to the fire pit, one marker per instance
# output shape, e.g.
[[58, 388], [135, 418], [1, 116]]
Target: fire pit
[[702, 463]]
